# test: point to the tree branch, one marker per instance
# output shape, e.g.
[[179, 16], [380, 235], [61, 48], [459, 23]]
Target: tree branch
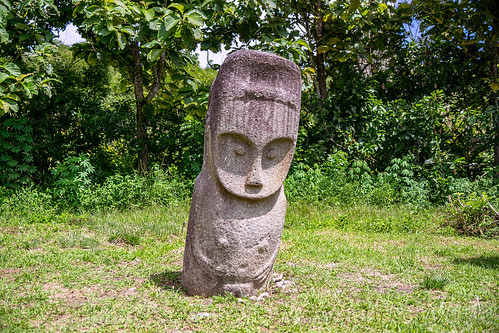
[[157, 76]]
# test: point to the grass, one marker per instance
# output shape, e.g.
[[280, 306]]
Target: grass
[[434, 281], [359, 269]]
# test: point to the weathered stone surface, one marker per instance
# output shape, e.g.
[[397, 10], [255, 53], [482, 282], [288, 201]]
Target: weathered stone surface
[[238, 204]]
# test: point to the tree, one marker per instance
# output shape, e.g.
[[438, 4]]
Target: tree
[[145, 39], [470, 31], [324, 37], [26, 39], [26, 42]]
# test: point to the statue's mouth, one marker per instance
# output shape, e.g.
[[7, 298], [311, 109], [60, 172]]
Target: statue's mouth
[[253, 188]]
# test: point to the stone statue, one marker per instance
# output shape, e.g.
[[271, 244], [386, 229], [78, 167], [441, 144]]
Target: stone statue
[[238, 204]]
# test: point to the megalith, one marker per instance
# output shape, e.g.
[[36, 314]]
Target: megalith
[[238, 203]]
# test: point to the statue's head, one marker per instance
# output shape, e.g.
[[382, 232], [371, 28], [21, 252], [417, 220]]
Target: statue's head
[[252, 123]]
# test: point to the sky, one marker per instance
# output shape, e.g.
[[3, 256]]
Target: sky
[[70, 36]]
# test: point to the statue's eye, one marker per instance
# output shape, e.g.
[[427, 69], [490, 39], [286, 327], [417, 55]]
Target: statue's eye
[[276, 151], [271, 153], [239, 149]]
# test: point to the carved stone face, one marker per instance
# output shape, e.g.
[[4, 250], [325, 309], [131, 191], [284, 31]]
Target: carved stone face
[[252, 123], [252, 149], [249, 169]]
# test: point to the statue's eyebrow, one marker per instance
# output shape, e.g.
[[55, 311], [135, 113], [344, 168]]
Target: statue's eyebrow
[[266, 96], [236, 134]]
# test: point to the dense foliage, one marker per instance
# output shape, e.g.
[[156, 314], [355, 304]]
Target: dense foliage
[[399, 101]]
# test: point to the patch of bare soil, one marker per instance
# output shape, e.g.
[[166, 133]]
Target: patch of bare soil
[[490, 245], [78, 297], [10, 273], [331, 265], [10, 230], [377, 280], [425, 262], [414, 310], [132, 263]]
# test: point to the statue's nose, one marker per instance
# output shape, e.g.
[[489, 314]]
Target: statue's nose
[[254, 178]]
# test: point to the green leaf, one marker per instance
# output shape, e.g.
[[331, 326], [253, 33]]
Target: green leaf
[[4, 107], [195, 17], [13, 97], [23, 37], [128, 30], [120, 10], [136, 8], [271, 4], [149, 14], [6, 3], [303, 43], [9, 104], [23, 168], [28, 91], [198, 34], [21, 26], [120, 3], [121, 40], [354, 5], [103, 32], [3, 76], [13, 175], [322, 49], [92, 59], [177, 6], [151, 44], [154, 25], [92, 10], [154, 55], [12, 68], [382, 7], [167, 27]]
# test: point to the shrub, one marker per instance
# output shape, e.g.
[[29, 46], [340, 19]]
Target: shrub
[[117, 192], [72, 176], [29, 205], [475, 217], [166, 187], [305, 183], [338, 181], [321, 182], [132, 191], [16, 143]]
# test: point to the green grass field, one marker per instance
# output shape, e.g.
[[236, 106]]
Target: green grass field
[[360, 269]]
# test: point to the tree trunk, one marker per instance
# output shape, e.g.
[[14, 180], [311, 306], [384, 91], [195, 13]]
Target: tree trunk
[[138, 86], [321, 71]]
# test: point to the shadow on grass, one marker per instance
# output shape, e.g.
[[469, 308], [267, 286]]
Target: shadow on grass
[[168, 280], [490, 262]]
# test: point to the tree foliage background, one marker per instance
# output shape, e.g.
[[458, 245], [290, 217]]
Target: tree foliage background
[[384, 83]]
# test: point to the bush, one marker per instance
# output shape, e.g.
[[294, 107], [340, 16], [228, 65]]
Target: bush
[[132, 191], [71, 177], [475, 217], [28, 205], [321, 182], [117, 192], [16, 143]]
